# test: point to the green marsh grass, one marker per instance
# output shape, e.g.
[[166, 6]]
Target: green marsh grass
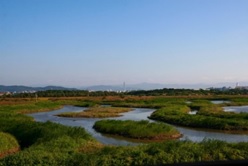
[[137, 129], [208, 116], [54, 144], [8, 144]]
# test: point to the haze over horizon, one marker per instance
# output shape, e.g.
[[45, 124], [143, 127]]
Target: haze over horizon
[[82, 43]]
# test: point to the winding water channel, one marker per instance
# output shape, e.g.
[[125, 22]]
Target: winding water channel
[[137, 114]]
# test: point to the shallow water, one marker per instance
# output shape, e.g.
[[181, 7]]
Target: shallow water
[[236, 109], [193, 134], [193, 112], [219, 101]]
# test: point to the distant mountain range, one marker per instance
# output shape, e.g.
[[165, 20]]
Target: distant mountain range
[[151, 86], [18, 88], [127, 87]]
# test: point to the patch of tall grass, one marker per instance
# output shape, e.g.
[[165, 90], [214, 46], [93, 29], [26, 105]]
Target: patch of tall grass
[[137, 129]]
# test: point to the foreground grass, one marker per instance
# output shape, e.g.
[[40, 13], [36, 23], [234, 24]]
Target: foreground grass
[[137, 129], [41, 143], [169, 152], [8, 144], [97, 112], [46, 143]]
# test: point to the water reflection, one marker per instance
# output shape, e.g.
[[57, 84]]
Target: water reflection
[[188, 102], [193, 112], [236, 109], [219, 101]]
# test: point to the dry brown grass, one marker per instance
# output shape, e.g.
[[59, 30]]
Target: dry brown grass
[[91, 147], [9, 152], [97, 112], [15, 101]]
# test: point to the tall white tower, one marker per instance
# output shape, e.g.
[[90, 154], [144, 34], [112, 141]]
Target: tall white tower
[[124, 86]]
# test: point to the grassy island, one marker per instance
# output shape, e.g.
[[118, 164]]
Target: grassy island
[[97, 112], [212, 117], [144, 129]]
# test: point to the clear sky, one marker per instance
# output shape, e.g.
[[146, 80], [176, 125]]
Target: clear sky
[[90, 42]]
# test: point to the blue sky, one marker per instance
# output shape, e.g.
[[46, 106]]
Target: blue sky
[[89, 42]]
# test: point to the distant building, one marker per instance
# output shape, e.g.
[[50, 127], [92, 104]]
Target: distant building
[[241, 87], [4, 93]]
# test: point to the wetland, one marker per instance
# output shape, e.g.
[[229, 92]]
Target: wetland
[[39, 136]]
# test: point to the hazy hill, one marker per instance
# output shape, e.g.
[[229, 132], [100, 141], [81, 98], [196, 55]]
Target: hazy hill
[[18, 88], [128, 87]]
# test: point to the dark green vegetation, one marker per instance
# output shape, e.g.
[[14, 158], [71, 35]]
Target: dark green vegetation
[[137, 129], [8, 144], [157, 92], [40, 143], [208, 116], [97, 112], [189, 92], [168, 152], [155, 102], [54, 144]]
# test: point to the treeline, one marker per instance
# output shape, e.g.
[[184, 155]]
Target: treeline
[[64, 93], [74, 93], [188, 92], [156, 92]]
